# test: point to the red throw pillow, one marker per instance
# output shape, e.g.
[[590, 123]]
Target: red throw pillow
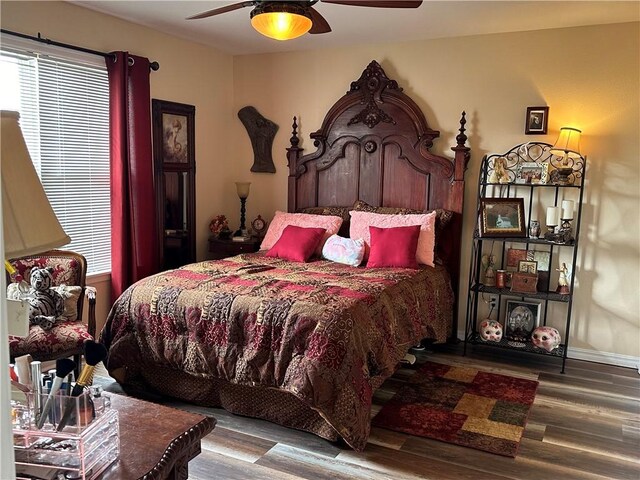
[[394, 247], [297, 243]]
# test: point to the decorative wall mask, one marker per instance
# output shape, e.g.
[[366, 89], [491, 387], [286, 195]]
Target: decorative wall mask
[[261, 132]]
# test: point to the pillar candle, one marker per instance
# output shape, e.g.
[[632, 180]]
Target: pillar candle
[[567, 210], [552, 216]]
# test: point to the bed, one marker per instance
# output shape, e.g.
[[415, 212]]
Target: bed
[[306, 344]]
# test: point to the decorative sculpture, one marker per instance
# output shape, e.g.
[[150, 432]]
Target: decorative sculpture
[[563, 280], [547, 338], [261, 131], [491, 331]]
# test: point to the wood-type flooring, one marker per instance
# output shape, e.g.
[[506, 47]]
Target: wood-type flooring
[[584, 424]]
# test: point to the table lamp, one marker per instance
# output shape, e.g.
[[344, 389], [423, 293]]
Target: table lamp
[[567, 146], [29, 223], [243, 192]]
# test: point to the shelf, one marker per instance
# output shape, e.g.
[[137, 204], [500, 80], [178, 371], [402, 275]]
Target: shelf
[[531, 185], [550, 296], [539, 241], [528, 347]]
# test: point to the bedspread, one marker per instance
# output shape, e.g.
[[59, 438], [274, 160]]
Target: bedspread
[[326, 333]]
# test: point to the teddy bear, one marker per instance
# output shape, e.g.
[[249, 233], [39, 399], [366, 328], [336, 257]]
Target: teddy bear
[[46, 305]]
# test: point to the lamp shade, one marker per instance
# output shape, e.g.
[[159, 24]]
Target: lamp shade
[[281, 21], [30, 225], [243, 189], [568, 142]]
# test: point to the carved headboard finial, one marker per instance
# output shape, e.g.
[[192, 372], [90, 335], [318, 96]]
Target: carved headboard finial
[[370, 85], [294, 134], [462, 137]]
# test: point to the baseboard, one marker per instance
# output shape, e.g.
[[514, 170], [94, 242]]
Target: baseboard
[[609, 358]]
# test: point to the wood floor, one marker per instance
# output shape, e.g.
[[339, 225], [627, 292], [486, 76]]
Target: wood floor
[[584, 424]]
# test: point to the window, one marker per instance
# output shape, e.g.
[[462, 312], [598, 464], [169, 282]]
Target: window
[[63, 100]]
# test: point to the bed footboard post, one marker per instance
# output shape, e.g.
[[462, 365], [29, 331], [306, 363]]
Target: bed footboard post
[[293, 154], [461, 160]]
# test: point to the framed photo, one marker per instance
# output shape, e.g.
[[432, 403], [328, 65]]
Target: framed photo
[[532, 173], [521, 320], [536, 121], [514, 255], [527, 266], [502, 217], [173, 131]]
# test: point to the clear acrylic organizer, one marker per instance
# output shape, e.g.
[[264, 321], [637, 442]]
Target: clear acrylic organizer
[[84, 448]]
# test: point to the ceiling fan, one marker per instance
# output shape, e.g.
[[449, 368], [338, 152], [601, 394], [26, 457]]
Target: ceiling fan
[[286, 20]]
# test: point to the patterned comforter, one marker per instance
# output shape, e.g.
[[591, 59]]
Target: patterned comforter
[[326, 333]]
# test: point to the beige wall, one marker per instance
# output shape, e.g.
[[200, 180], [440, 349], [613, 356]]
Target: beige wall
[[588, 76], [493, 77], [189, 73]]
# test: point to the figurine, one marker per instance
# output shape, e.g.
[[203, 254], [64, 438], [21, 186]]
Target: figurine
[[547, 338], [491, 331], [499, 174], [563, 280], [488, 261], [534, 229]]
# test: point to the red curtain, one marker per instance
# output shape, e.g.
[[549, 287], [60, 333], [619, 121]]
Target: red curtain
[[133, 218]]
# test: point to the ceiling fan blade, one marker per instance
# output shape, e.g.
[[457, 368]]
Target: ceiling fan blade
[[218, 11], [378, 3], [318, 22]]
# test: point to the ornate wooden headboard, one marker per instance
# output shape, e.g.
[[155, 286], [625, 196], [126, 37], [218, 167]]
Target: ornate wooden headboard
[[373, 145]]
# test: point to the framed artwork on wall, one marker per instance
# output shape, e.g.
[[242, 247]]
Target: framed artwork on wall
[[536, 121]]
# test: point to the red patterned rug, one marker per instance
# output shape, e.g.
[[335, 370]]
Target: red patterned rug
[[462, 405]]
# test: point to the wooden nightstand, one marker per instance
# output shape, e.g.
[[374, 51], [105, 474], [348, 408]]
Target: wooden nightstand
[[222, 248]]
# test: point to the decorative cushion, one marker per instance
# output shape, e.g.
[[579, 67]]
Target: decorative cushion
[[64, 336], [361, 221], [443, 217], [394, 247], [344, 250], [282, 219], [71, 294], [342, 212], [297, 243]]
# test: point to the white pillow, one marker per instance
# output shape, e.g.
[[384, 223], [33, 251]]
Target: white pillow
[[344, 250], [71, 294]]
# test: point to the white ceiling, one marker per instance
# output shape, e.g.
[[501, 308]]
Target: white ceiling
[[232, 33]]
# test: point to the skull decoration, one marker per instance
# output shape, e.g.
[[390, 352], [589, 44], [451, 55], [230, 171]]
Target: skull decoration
[[491, 331], [546, 337]]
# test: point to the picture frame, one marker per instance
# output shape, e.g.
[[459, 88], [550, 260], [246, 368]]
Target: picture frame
[[502, 217], [521, 319], [528, 266], [536, 121], [532, 173], [173, 132]]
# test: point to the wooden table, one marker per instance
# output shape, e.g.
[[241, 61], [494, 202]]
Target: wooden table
[[156, 442]]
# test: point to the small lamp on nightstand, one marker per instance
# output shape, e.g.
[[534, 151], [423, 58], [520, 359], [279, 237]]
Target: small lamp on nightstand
[[243, 192], [567, 146]]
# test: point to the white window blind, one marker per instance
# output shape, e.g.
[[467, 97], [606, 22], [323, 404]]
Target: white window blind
[[64, 115]]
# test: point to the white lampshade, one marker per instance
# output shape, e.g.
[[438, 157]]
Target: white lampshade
[[243, 189], [568, 143], [30, 225]]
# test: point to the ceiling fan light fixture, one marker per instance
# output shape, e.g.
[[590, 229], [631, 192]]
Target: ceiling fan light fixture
[[281, 21]]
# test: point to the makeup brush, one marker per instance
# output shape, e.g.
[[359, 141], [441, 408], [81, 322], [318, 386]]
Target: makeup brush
[[94, 353], [64, 366]]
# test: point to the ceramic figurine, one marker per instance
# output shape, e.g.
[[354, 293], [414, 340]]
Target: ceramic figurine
[[488, 261], [491, 331], [499, 174], [534, 229], [547, 338], [563, 280]]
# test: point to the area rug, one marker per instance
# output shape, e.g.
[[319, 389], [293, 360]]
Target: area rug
[[461, 405]]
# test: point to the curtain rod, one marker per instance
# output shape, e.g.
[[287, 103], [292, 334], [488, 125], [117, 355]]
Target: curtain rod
[[153, 65]]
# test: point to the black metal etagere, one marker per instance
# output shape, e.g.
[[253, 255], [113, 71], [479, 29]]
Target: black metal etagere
[[536, 195]]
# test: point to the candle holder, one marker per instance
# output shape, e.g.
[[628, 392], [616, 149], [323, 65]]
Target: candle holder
[[551, 235], [565, 233]]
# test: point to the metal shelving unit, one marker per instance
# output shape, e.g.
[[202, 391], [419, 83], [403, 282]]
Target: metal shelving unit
[[536, 196]]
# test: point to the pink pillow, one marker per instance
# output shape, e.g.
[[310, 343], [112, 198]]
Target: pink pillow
[[330, 223], [394, 247], [296, 243], [361, 221]]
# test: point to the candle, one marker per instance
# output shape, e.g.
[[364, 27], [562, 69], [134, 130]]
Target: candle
[[552, 216], [567, 210]]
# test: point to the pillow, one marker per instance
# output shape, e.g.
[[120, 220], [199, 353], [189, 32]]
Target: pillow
[[443, 217], [296, 243], [71, 294], [361, 221], [394, 247], [342, 212], [344, 250], [281, 219]]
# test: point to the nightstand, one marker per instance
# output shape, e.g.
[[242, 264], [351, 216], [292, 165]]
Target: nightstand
[[222, 248]]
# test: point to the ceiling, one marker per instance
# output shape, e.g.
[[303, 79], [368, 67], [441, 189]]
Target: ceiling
[[232, 33]]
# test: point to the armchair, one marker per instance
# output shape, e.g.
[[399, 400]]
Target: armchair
[[67, 336]]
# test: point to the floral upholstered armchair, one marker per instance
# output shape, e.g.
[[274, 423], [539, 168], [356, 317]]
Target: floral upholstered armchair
[[68, 334]]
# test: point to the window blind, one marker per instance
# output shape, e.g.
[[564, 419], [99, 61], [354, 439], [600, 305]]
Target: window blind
[[64, 110]]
